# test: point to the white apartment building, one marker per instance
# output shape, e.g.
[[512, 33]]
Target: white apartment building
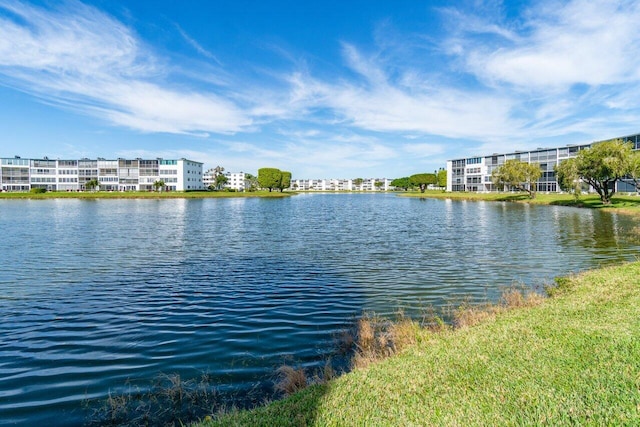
[[368, 184], [17, 174], [235, 180], [474, 173]]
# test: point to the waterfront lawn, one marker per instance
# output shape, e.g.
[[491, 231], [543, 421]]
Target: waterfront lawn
[[140, 194], [572, 360], [619, 202]]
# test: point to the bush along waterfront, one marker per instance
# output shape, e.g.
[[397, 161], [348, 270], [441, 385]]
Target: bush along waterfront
[[572, 359]]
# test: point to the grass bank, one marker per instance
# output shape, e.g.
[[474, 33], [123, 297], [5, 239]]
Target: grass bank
[[573, 359], [141, 195], [618, 203]]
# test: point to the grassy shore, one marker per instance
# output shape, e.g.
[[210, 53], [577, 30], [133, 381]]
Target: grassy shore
[[619, 203], [141, 195], [573, 359]]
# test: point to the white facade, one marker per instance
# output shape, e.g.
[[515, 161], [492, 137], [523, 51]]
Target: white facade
[[189, 175], [368, 184], [474, 173], [235, 180], [17, 174]]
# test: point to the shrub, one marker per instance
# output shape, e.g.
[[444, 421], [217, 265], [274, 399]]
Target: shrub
[[38, 190]]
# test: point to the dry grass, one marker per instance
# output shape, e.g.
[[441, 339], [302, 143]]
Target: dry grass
[[345, 341], [327, 373], [290, 380], [377, 338], [432, 320], [169, 400], [468, 314], [519, 298]]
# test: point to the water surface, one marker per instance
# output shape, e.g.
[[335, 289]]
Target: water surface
[[95, 293]]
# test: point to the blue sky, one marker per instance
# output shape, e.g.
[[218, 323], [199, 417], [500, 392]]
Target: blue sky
[[325, 89]]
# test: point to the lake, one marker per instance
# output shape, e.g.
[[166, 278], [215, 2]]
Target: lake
[[96, 295]]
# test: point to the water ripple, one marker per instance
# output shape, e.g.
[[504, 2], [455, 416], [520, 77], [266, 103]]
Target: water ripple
[[95, 295]]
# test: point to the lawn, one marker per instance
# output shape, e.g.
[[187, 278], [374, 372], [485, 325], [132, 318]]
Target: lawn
[[619, 202], [140, 195], [573, 359]]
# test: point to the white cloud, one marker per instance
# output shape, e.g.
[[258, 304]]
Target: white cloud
[[83, 59], [563, 70], [593, 42], [197, 46], [383, 105]]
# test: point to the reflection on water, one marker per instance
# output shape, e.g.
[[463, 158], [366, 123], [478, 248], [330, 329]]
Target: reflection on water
[[95, 293]]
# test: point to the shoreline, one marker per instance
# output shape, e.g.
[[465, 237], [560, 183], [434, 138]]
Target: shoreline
[[567, 360], [87, 195], [623, 204], [620, 203]]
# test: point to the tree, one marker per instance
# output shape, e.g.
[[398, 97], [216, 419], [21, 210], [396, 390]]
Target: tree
[[441, 178], [92, 184], [519, 175], [635, 169], [158, 185], [401, 183], [568, 178], [378, 184], [422, 180], [269, 178], [252, 182], [358, 182], [285, 180], [219, 181], [601, 166]]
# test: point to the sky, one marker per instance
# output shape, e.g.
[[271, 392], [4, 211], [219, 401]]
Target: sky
[[324, 89]]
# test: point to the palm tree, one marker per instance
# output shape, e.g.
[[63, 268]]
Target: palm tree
[[158, 185], [92, 184], [220, 181]]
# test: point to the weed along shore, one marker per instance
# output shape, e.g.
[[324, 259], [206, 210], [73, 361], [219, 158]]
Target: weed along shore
[[570, 359]]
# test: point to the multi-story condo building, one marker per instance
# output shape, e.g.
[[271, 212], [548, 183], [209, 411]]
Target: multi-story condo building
[[368, 184], [235, 180], [474, 173], [17, 174], [208, 179]]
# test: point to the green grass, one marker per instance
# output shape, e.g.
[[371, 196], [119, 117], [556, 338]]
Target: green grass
[[574, 359], [619, 202], [141, 195]]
